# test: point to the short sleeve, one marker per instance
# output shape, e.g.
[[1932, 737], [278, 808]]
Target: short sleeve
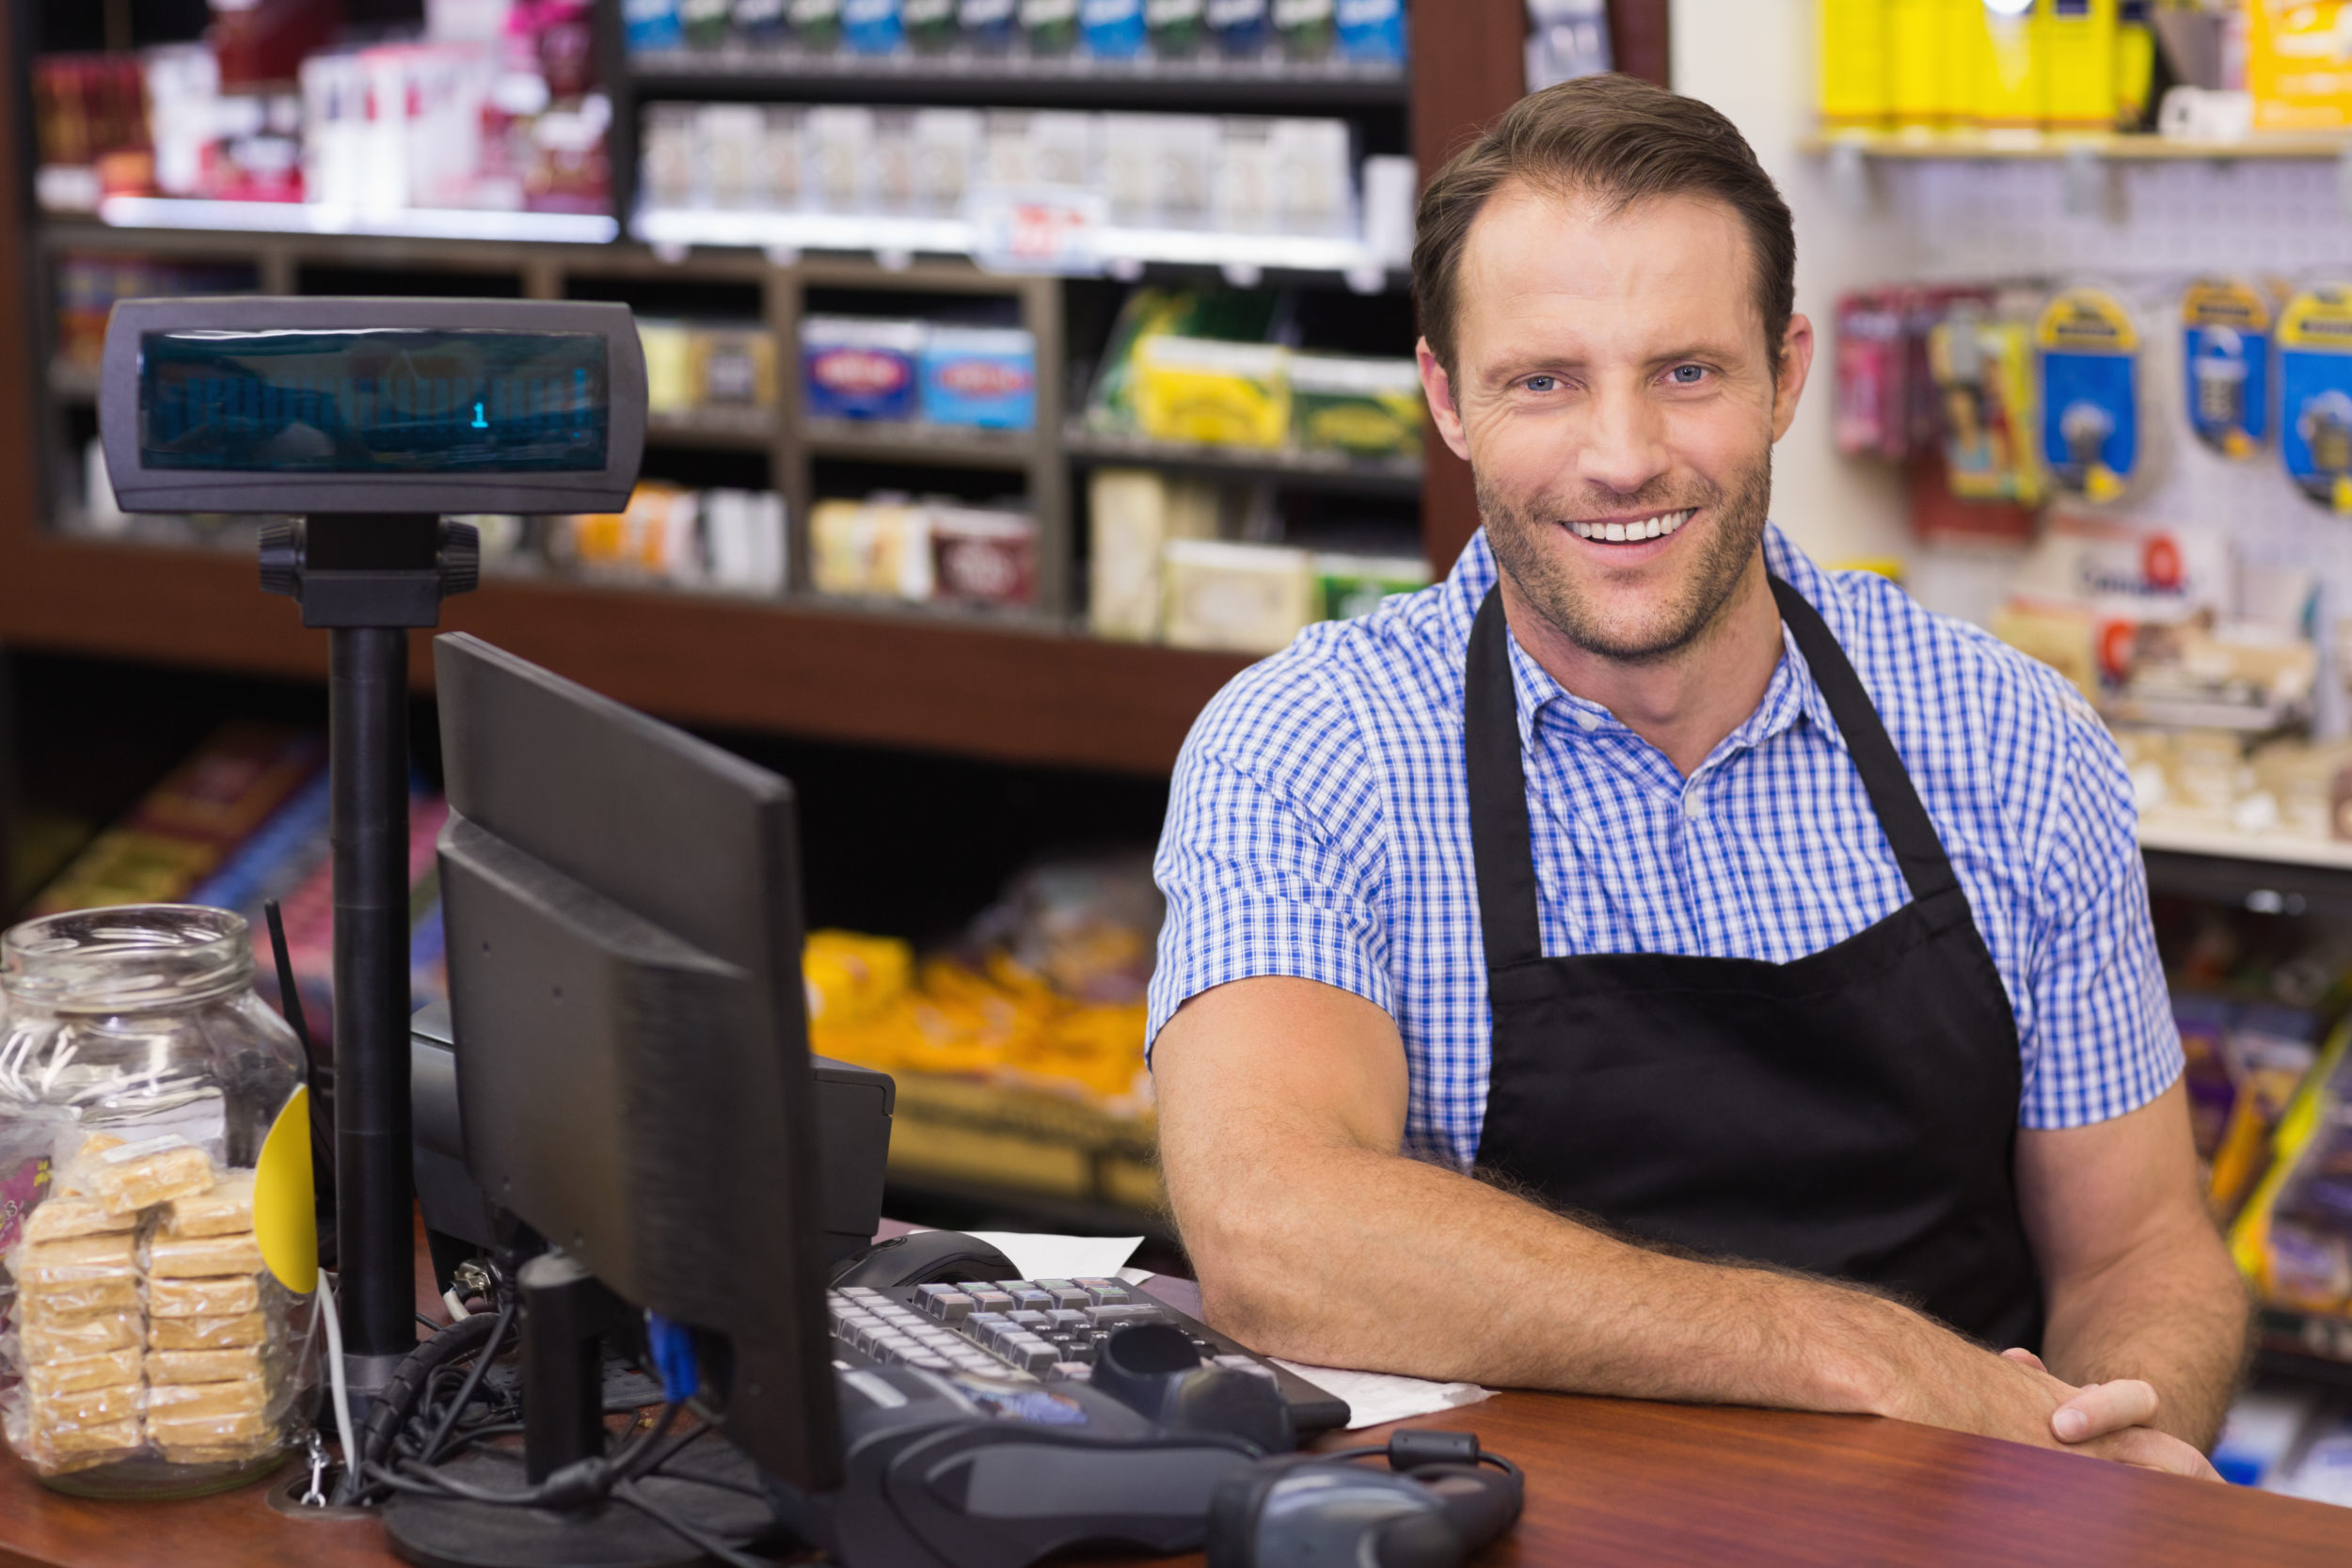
[[1271, 856], [2100, 1039]]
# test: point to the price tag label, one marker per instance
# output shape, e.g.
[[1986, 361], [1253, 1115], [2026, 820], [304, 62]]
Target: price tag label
[[1055, 229]]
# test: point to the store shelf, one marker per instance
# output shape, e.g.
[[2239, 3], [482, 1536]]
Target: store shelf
[[735, 429], [947, 446], [1399, 478], [71, 382], [1207, 83], [411, 223], [896, 236], [2269, 875], [967, 685], [2045, 145]]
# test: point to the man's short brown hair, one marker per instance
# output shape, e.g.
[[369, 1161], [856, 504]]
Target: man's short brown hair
[[1618, 140]]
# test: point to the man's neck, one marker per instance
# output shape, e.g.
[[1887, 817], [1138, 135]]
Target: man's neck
[[1683, 704]]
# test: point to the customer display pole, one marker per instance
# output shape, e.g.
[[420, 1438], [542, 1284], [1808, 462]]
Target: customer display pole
[[368, 579]]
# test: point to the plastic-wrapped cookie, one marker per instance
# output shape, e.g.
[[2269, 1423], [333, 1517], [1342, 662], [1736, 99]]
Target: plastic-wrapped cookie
[[202, 1256], [203, 1298], [203, 1365], [224, 1209], [244, 1328], [58, 1219], [79, 1337]]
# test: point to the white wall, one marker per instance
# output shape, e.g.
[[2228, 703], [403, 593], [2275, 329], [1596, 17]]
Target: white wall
[[1755, 61]]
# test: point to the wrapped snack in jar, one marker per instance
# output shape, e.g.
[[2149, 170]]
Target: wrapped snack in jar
[[155, 1128]]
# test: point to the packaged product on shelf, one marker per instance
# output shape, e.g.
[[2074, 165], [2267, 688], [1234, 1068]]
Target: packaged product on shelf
[[1175, 26], [667, 159], [1347, 586], [1049, 26], [1872, 416], [649, 27], [860, 367], [1921, 81], [669, 366], [743, 533], [1159, 170], [1239, 26], [989, 26], [1364, 408], [1307, 27], [1314, 188], [2012, 92], [731, 367], [948, 148], [838, 145], [1372, 31], [1982, 364], [197, 1179], [816, 25], [2093, 440], [1247, 598], [930, 25], [878, 547], [2077, 60], [730, 155], [2293, 1237], [655, 536], [2315, 393], [1246, 196], [2296, 66], [2134, 64], [871, 27], [980, 375], [891, 181], [2267, 1053], [704, 24], [1853, 65], [981, 555], [761, 24], [2226, 347], [1133, 514], [1113, 29], [1207, 390]]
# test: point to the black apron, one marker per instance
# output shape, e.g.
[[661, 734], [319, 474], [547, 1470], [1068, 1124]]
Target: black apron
[[1851, 1114]]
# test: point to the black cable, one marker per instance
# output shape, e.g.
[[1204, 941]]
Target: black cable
[[473, 1380], [634, 1462], [430, 1324], [630, 1492]]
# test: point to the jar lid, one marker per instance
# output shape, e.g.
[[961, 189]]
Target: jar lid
[[125, 958]]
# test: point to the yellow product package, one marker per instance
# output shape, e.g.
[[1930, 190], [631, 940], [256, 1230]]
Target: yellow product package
[[2298, 64], [1213, 392], [1364, 408]]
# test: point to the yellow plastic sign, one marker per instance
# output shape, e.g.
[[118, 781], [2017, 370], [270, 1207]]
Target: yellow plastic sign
[[285, 1210]]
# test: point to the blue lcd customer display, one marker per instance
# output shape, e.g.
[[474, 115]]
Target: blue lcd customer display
[[395, 400], [310, 406]]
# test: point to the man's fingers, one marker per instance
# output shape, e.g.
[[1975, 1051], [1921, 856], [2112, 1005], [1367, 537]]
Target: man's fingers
[[2103, 1407], [2019, 1353], [2151, 1449]]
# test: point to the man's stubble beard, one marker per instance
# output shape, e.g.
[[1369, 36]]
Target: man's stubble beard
[[1735, 527]]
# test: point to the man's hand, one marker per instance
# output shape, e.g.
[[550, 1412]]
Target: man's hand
[[2115, 1420]]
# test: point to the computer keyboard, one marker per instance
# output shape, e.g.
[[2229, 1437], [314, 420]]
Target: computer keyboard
[[1041, 1330]]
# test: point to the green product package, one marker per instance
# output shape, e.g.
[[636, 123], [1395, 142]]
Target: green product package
[[816, 23], [1306, 28], [932, 26], [1234, 315], [1347, 586], [1364, 408], [1051, 26], [1174, 26]]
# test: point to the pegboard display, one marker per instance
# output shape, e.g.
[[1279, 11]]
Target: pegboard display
[[2147, 228]]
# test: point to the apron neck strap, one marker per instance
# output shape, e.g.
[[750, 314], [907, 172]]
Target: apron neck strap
[[1502, 846]]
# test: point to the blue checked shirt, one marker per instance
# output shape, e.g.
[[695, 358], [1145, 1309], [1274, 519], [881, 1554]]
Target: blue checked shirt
[[1318, 825]]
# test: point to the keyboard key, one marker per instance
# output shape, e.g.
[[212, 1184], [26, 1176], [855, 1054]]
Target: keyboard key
[[1016, 1284], [992, 1301], [1032, 1320], [1070, 1297], [1121, 1316], [952, 1307], [931, 1363], [1071, 1372], [1032, 1300], [1065, 1320], [1108, 1294], [1030, 1354], [1091, 1282]]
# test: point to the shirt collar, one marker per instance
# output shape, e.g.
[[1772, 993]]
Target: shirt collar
[[1791, 694]]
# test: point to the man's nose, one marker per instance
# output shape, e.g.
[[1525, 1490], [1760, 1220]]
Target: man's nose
[[1625, 446]]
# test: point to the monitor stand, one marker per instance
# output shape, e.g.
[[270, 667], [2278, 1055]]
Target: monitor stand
[[369, 577], [711, 1485]]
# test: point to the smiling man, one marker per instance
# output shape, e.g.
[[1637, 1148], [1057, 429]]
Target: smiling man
[[1646, 963]]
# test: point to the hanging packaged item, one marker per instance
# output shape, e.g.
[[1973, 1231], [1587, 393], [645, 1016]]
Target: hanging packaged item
[[160, 1235], [2092, 437], [2315, 393], [1982, 365], [2225, 345], [1872, 414], [1854, 64]]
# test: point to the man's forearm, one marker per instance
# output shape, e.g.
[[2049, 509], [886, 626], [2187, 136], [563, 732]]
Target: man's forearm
[[2173, 1314], [1351, 1258]]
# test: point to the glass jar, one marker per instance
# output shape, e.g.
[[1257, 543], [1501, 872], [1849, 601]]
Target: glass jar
[[154, 1205]]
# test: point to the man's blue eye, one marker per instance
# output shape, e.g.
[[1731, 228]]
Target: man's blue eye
[[1541, 383], [1689, 375]]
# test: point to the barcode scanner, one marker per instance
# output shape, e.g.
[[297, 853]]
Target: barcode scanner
[[1440, 1500]]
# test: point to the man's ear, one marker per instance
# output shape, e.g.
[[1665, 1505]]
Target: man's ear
[[1796, 363], [1439, 387]]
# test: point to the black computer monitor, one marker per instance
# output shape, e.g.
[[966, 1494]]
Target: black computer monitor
[[624, 946]]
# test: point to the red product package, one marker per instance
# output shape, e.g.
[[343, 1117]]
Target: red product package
[[983, 557], [1872, 417]]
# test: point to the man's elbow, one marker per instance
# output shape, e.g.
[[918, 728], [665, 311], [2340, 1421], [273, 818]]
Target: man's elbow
[[1244, 1238]]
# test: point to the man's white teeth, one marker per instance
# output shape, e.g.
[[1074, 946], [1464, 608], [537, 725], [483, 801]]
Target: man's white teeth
[[1648, 527]]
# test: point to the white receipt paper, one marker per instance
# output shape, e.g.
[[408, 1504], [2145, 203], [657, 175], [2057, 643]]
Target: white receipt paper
[[1036, 1257], [1374, 1398]]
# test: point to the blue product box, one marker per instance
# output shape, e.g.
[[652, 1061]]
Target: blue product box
[[1373, 30], [871, 27], [651, 25], [859, 367], [1113, 29], [980, 375]]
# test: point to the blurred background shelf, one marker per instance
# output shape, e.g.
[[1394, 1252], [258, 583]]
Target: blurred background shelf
[[2271, 874], [2123, 147], [1396, 477], [1205, 82]]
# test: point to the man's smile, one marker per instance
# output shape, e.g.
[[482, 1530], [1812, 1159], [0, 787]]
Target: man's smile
[[1629, 531]]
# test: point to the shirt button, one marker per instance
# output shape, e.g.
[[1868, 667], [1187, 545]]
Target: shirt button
[[1587, 719], [1692, 807]]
